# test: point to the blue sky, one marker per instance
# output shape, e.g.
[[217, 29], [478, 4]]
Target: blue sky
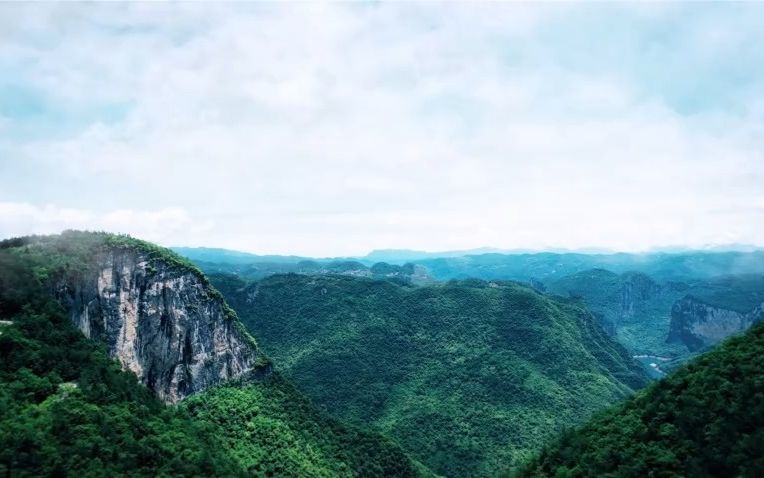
[[333, 129]]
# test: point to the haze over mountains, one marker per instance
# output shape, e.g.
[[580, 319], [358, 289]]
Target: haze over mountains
[[431, 239], [404, 374], [663, 306], [396, 256]]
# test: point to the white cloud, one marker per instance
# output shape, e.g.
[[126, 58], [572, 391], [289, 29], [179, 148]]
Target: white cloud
[[162, 225], [334, 129]]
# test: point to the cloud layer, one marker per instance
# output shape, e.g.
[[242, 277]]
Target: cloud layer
[[334, 129]]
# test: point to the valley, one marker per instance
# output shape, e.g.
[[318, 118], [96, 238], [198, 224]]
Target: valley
[[469, 376], [635, 297], [381, 239], [342, 370], [104, 339]]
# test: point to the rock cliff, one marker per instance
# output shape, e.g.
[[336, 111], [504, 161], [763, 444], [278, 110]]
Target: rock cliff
[[636, 288], [698, 324], [163, 322]]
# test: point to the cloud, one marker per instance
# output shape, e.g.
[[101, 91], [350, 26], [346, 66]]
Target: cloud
[[17, 219], [335, 128]]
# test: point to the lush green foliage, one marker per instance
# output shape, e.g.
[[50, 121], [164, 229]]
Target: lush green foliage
[[468, 376], [637, 309], [631, 306], [66, 408], [274, 431], [706, 419], [76, 249], [550, 266], [259, 270]]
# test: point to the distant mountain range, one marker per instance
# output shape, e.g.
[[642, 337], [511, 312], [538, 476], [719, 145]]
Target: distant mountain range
[[669, 305], [402, 256], [468, 376], [440, 364], [516, 265]]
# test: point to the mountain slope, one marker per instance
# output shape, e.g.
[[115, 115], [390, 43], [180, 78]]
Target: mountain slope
[[706, 419], [67, 408], [669, 319], [466, 375], [547, 266], [259, 270], [631, 306]]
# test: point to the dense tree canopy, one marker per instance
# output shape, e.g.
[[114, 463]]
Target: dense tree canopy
[[468, 376], [706, 419], [67, 409]]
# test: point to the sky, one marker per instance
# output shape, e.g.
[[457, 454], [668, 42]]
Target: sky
[[333, 129]]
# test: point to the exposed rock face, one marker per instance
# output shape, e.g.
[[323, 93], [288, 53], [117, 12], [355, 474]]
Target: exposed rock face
[[161, 322], [636, 288], [699, 325]]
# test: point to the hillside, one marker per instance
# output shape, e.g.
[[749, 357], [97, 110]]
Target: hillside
[[74, 406], [547, 266], [492, 264], [259, 270], [662, 319], [706, 419], [468, 376]]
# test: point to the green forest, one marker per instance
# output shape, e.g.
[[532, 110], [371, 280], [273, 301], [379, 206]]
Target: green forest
[[706, 419], [373, 377], [381, 239], [67, 409], [470, 377]]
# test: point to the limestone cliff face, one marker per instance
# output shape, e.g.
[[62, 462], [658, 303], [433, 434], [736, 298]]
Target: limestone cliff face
[[636, 288], [699, 325], [162, 322]]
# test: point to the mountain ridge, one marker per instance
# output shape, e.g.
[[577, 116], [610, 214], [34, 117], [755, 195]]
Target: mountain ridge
[[466, 375], [71, 405], [705, 419]]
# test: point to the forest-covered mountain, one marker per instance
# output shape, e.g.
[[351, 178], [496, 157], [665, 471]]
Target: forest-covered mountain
[[522, 266], [120, 358], [258, 270], [704, 420], [469, 376], [664, 307], [549, 266], [670, 319], [77, 406]]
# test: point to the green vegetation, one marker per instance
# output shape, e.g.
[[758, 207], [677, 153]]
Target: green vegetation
[[468, 376], [632, 307], [547, 266], [67, 409], [637, 309], [706, 419], [259, 270], [72, 252], [739, 293], [272, 430]]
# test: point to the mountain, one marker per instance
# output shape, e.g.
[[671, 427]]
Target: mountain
[[468, 376], [706, 419], [668, 319], [99, 332], [400, 256], [671, 264], [257, 270], [229, 256], [159, 317], [549, 266], [699, 324]]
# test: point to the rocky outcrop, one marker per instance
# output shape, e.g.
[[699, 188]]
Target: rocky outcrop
[[699, 325], [636, 288], [161, 321]]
